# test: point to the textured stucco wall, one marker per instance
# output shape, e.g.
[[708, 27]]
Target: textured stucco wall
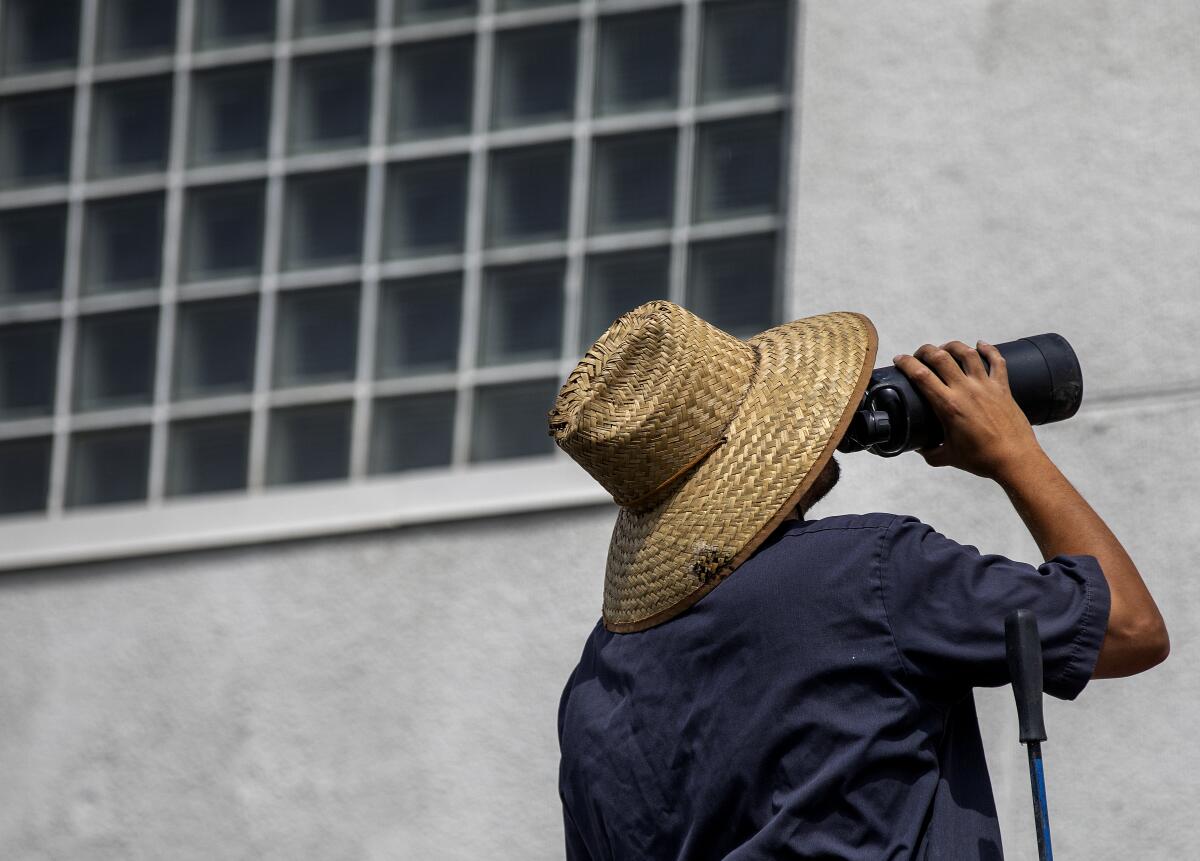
[[968, 170], [992, 170], [383, 696]]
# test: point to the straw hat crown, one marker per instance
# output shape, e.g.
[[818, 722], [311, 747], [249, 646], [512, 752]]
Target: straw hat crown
[[651, 399]]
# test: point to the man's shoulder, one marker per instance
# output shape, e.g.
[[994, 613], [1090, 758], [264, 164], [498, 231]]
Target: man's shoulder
[[875, 520], [842, 530]]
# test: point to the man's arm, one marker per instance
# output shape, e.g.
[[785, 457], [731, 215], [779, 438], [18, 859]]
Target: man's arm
[[988, 435]]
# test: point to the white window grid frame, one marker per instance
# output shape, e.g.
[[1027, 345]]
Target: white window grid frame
[[259, 512]]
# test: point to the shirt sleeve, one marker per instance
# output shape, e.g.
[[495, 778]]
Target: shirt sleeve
[[946, 604]]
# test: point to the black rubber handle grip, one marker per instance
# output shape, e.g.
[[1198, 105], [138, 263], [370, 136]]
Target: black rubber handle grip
[[1024, 648]]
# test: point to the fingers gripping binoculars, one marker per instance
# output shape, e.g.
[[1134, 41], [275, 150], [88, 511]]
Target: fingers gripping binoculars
[[1043, 374]]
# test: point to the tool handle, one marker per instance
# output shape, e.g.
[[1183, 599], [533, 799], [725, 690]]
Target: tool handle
[[1024, 649]]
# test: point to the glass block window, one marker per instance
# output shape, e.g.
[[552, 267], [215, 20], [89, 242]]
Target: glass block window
[[426, 207], [35, 138], [115, 363], [534, 75], [419, 321], [220, 23], [432, 84], [208, 455], [510, 420], [738, 168], [420, 11], [633, 181], [224, 230], [38, 35], [230, 112], [331, 98], [316, 338], [731, 283], [130, 29], [24, 475], [521, 318], [619, 282], [131, 124], [412, 432], [316, 17], [638, 66], [108, 466], [333, 240], [32, 247], [123, 243], [28, 364], [745, 48], [310, 443], [528, 194], [214, 347], [324, 219]]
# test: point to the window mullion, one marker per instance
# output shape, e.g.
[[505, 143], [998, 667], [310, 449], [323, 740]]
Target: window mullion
[[272, 247], [81, 131], [171, 248]]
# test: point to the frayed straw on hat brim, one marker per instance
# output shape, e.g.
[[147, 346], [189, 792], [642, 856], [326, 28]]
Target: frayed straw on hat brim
[[810, 378]]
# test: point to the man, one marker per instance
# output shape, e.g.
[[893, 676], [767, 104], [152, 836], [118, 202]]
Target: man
[[764, 686]]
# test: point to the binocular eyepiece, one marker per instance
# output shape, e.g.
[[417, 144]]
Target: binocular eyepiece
[[1043, 374]]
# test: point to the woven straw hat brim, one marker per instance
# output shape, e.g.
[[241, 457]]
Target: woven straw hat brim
[[810, 379]]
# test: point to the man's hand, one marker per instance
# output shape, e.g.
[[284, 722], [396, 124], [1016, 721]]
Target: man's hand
[[986, 432]]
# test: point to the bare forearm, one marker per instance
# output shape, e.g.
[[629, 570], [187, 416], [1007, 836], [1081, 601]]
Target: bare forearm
[[1060, 520], [1062, 523]]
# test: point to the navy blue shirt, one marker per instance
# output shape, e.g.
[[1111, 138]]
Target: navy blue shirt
[[816, 704]]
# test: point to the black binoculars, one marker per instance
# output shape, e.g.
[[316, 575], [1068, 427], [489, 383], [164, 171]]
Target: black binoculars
[[1043, 374]]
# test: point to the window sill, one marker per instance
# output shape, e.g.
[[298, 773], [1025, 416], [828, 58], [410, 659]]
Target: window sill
[[116, 532]]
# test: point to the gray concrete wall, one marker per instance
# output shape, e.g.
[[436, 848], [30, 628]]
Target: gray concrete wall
[[968, 170], [383, 696]]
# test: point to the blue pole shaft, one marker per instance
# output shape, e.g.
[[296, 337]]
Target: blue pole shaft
[[1041, 812]]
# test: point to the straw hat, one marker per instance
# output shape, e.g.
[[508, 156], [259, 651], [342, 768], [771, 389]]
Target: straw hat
[[707, 442]]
